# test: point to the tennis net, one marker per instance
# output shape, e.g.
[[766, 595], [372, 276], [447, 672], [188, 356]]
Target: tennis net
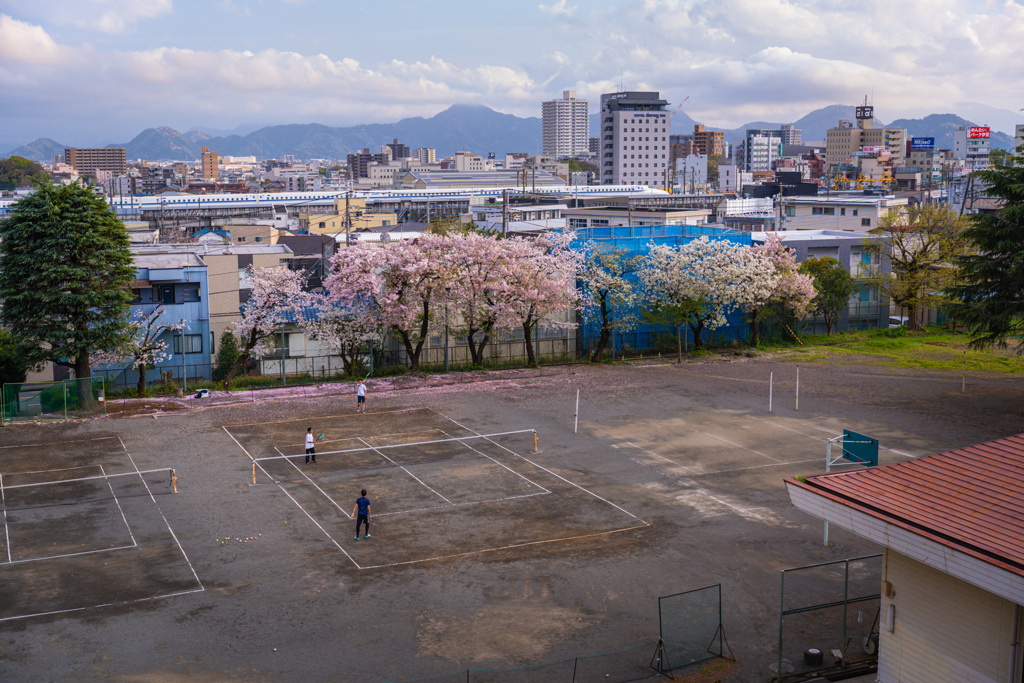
[[373, 455], [75, 486]]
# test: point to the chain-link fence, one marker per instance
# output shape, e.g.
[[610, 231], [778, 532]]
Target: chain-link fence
[[63, 400], [828, 615]]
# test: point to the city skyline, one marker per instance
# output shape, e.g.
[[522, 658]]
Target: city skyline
[[98, 71]]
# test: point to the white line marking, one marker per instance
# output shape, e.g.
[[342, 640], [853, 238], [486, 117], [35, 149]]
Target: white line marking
[[503, 465], [84, 552], [315, 485], [509, 547], [106, 604], [743, 447], [7, 534], [153, 498], [402, 467], [292, 498], [455, 505], [755, 467], [737, 509], [402, 445], [660, 457], [100, 476], [905, 455], [306, 419], [33, 445], [797, 431], [118, 503], [356, 438], [571, 483]]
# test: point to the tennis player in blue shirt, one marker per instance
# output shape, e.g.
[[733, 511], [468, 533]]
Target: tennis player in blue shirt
[[363, 506]]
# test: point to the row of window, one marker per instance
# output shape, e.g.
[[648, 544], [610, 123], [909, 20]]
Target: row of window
[[169, 294]]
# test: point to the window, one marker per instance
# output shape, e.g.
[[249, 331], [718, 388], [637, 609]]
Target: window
[[244, 278], [241, 239], [136, 296], [790, 211], [842, 212], [823, 211], [193, 343], [598, 221], [577, 222], [258, 239], [866, 222], [190, 292], [163, 294], [855, 211]]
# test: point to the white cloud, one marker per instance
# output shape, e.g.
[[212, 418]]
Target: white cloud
[[561, 8], [27, 44]]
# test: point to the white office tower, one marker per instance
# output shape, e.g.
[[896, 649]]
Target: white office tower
[[634, 140], [566, 126]]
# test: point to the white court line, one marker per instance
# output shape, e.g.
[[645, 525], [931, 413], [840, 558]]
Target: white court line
[[905, 455], [33, 445], [153, 498], [660, 457], [62, 469], [456, 505], [292, 498], [402, 467], [306, 419], [510, 547], [816, 438], [797, 431], [118, 503], [743, 447], [84, 552], [737, 509], [571, 483], [105, 604], [7, 534], [356, 438], [502, 465], [755, 467], [315, 485]]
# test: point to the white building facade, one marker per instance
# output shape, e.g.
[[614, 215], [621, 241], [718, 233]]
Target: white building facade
[[971, 145], [634, 140], [566, 126]]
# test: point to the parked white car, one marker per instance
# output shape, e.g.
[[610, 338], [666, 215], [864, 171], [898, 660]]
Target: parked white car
[[897, 321]]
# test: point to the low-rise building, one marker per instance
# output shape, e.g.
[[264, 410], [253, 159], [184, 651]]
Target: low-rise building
[[846, 212]]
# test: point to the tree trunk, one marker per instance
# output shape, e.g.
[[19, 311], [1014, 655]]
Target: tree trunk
[[606, 331], [83, 388], [698, 331], [141, 389], [679, 344], [528, 326]]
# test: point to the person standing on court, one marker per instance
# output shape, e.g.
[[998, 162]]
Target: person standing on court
[[361, 397], [363, 506], [310, 444]]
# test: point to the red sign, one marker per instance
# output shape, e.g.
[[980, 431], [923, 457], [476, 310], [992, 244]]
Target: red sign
[[978, 132]]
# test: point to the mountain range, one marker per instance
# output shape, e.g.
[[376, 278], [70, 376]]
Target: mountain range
[[460, 127]]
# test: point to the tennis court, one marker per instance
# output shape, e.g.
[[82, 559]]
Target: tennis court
[[439, 490], [83, 512]]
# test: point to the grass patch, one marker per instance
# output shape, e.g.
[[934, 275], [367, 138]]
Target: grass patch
[[934, 348]]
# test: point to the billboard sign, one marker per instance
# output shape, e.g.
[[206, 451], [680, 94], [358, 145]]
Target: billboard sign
[[922, 143], [978, 132], [874, 149]]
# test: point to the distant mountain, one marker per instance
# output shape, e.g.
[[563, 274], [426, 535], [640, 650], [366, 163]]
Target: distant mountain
[[42, 150], [460, 127]]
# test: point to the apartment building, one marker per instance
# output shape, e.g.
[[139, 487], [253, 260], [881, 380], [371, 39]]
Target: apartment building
[[844, 140], [971, 146], [88, 160], [566, 126], [210, 164], [842, 212], [762, 147], [634, 139]]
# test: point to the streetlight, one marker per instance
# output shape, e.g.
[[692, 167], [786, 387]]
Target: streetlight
[[184, 372]]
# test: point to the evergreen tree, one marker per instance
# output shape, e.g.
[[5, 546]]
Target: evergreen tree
[[988, 296], [65, 271], [833, 287], [226, 356]]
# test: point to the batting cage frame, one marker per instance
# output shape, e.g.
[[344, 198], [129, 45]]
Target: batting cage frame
[[823, 609], [691, 629]]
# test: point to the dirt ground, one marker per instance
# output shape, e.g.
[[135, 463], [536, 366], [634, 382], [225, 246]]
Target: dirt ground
[[485, 555]]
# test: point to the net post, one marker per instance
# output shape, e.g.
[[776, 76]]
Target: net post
[[254, 472], [174, 480], [536, 440]]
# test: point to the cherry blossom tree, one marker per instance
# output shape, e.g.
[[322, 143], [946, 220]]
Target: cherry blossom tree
[[344, 327], [702, 281], [544, 281], [609, 293], [143, 345], [776, 287], [276, 298], [399, 282]]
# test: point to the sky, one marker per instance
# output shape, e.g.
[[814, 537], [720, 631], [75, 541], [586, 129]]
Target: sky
[[92, 72]]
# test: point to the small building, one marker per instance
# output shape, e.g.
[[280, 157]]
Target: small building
[[851, 212], [953, 564], [625, 216]]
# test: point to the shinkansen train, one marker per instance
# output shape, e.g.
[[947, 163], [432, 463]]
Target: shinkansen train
[[137, 204]]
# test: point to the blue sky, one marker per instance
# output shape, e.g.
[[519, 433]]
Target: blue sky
[[100, 71]]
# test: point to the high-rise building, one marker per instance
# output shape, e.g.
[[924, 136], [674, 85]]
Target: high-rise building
[[91, 160], [843, 142], [396, 149], [211, 164], [708, 142], [566, 122], [425, 155], [634, 139], [791, 135], [762, 148], [971, 145]]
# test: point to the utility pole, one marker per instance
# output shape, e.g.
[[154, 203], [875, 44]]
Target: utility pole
[[348, 220], [504, 213]]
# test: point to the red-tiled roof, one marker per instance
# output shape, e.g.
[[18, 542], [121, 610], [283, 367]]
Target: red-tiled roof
[[970, 499]]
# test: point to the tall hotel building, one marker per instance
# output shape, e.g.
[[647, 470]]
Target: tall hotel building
[[634, 139], [566, 126]]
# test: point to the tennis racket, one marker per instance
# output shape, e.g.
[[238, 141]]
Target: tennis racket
[[321, 437]]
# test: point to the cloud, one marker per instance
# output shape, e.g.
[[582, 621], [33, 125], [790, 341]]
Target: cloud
[[116, 16], [560, 8], [24, 43]]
